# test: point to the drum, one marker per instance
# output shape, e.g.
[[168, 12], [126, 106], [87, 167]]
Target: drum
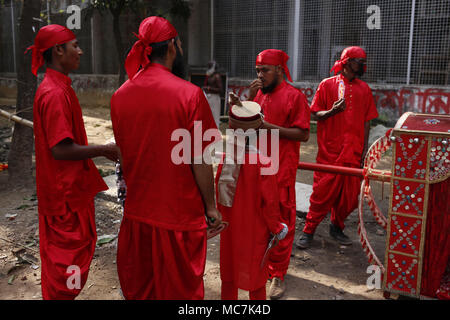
[[247, 116]]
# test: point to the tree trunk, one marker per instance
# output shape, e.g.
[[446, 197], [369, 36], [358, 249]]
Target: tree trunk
[[1, 37], [119, 47], [20, 166]]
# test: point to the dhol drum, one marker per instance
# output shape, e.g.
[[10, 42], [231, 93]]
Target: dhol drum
[[246, 116]]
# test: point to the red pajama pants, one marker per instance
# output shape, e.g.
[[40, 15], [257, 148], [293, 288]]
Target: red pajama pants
[[280, 255], [335, 192], [230, 292], [67, 244], [159, 264]]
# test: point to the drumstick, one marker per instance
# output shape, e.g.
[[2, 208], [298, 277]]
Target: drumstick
[[234, 99]]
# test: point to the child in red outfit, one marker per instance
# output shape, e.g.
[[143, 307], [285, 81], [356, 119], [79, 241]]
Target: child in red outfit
[[248, 200]]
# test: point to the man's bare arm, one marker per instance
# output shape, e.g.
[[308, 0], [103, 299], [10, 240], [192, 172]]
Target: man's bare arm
[[203, 175], [338, 106], [69, 150]]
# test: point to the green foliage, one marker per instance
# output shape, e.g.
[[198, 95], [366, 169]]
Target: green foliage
[[144, 8]]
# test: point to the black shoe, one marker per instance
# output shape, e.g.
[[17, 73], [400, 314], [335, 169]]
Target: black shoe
[[304, 242], [337, 234]]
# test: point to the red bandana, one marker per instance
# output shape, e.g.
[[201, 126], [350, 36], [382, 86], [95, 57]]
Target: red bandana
[[152, 30], [48, 37], [274, 57], [348, 53]]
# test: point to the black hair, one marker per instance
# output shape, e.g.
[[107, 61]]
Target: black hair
[[48, 54], [159, 52], [159, 49]]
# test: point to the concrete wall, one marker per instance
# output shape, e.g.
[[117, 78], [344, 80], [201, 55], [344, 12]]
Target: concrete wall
[[391, 100], [199, 33], [93, 90]]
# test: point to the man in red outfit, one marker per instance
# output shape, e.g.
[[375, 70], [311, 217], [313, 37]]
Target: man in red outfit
[[162, 241], [285, 109], [343, 106], [66, 178]]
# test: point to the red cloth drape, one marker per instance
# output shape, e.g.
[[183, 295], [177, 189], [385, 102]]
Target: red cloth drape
[[160, 264], [254, 214], [66, 240], [437, 242]]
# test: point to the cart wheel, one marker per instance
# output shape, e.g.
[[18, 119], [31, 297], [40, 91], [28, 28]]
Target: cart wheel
[[386, 294]]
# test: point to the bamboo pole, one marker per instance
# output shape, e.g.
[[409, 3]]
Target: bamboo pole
[[15, 118], [380, 175]]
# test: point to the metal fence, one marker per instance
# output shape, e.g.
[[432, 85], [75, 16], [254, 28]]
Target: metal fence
[[244, 28], [407, 41]]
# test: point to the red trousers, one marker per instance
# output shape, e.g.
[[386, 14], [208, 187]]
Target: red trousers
[[230, 292], [280, 255], [67, 244], [159, 264], [335, 192]]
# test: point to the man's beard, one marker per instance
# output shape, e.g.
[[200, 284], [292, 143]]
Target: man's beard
[[270, 87], [178, 65], [360, 72]]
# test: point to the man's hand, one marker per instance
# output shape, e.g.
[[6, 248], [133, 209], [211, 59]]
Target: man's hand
[[282, 234], [214, 217], [233, 99], [111, 151], [69, 150], [338, 106], [254, 87]]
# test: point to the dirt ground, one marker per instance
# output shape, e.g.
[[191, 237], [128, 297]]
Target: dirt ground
[[326, 271]]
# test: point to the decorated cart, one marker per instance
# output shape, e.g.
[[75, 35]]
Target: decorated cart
[[416, 261]]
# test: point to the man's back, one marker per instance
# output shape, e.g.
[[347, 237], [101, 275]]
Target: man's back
[[145, 113]]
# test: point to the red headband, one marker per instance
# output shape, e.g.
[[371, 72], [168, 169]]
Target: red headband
[[348, 53], [152, 30], [274, 57], [48, 37]]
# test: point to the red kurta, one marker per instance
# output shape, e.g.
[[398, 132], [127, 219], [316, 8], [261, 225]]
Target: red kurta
[[254, 215], [286, 107], [65, 189], [147, 113], [340, 139]]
